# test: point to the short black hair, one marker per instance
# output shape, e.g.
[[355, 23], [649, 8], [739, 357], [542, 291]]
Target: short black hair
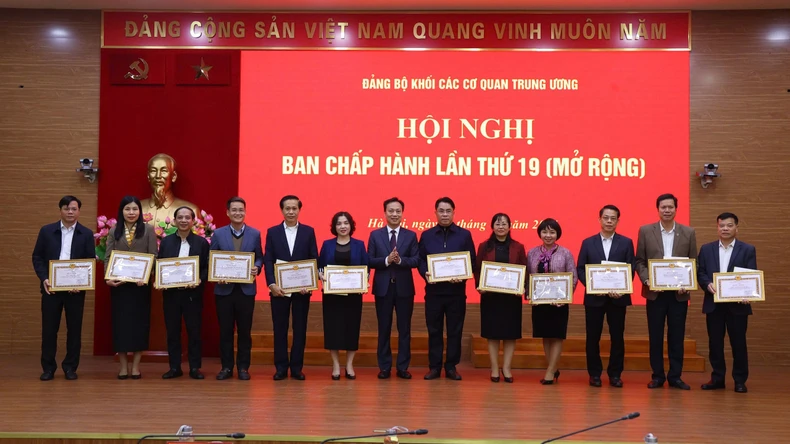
[[175, 213], [609, 207], [550, 223], [290, 197], [236, 199], [394, 200], [333, 227], [723, 216], [666, 196], [444, 199], [66, 200]]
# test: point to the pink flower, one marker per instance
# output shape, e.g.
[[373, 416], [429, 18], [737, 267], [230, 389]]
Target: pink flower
[[148, 217], [209, 218], [104, 232], [96, 235], [159, 231], [100, 224], [212, 227], [201, 232], [203, 213], [102, 219], [167, 220], [112, 222], [208, 239]]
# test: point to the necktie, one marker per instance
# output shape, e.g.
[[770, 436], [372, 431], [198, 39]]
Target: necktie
[[392, 240]]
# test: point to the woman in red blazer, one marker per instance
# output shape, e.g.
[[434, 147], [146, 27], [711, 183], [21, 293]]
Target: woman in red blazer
[[500, 314]]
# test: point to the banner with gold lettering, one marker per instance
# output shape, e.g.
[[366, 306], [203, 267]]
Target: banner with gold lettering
[[203, 68], [143, 68], [348, 30]]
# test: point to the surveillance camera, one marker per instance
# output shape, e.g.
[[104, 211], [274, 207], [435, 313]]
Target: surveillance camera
[[711, 166], [86, 162]]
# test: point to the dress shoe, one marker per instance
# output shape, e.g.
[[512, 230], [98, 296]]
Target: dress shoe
[[173, 373], [244, 375], [195, 373], [122, 377], [403, 374], [384, 374], [595, 381], [616, 382], [654, 384], [509, 380], [495, 378], [299, 376], [452, 374], [71, 375], [547, 381], [225, 373], [350, 375], [47, 376], [740, 387], [433, 374], [137, 376], [713, 385], [279, 376], [679, 384], [336, 377]]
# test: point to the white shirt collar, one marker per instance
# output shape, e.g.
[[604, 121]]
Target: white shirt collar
[[397, 230], [604, 238], [295, 227], [732, 244], [670, 231], [71, 228]]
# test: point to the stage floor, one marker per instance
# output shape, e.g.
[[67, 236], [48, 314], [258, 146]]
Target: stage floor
[[100, 406]]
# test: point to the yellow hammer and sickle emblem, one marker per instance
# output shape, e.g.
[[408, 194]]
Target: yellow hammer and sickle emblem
[[142, 73]]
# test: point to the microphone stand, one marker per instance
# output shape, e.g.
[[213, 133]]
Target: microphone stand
[[626, 417], [226, 435], [378, 435]]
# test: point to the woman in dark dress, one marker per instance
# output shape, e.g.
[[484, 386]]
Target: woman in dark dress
[[342, 313], [130, 302], [500, 313], [550, 321]]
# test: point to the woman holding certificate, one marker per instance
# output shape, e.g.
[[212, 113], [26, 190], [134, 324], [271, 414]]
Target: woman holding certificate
[[130, 297], [343, 311], [550, 321], [500, 313]]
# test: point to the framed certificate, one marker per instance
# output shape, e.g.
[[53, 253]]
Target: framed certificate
[[448, 266], [551, 288], [502, 278], [177, 272], [293, 277], [672, 274], [609, 278], [231, 266], [345, 280], [739, 287], [78, 274], [128, 266]]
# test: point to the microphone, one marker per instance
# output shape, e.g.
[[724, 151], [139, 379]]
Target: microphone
[[235, 435], [626, 417], [390, 432]]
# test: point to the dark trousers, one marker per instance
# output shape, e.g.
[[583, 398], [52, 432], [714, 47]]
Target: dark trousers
[[236, 310], [437, 307], [615, 318], [52, 307], [667, 308], [187, 303], [735, 325], [282, 307], [404, 307]]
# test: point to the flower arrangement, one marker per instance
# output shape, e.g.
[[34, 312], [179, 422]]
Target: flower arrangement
[[103, 226]]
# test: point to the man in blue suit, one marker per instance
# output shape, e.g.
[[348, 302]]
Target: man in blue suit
[[62, 240], [287, 242], [605, 246], [236, 302], [723, 256], [393, 254]]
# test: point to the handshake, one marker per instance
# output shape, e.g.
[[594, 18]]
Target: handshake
[[394, 257]]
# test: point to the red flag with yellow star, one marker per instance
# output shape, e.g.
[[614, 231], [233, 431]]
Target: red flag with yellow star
[[209, 68]]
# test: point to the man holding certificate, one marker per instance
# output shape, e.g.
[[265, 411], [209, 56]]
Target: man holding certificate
[[724, 256], [66, 239], [663, 239], [606, 246], [183, 300], [445, 289], [236, 301]]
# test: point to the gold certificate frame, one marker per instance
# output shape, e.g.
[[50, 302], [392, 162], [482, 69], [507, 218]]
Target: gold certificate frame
[[359, 273], [238, 259], [683, 266], [462, 261], [281, 279], [591, 270], [492, 273], [193, 262], [542, 283], [744, 278], [57, 285], [118, 257]]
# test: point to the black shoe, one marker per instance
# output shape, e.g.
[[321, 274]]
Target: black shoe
[[122, 377], [279, 376], [137, 376], [385, 374], [595, 381], [173, 373], [547, 381], [244, 375], [655, 383], [225, 373], [508, 380], [616, 382], [299, 376], [740, 387], [713, 385], [495, 378], [433, 374], [557, 375], [47, 376], [403, 374], [195, 373], [679, 384], [349, 375], [336, 377], [71, 375], [452, 374]]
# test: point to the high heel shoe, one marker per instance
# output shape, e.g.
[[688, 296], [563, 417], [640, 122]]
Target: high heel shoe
[[495, 378], [350, 376], [508, 380], [137, 376], [551, 381], [336, 377], [557, 375], [122, 377]]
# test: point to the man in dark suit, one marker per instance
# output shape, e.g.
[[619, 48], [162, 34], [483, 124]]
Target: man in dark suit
[[605, 246], [287, 242], [186, 302], [444, 299], [723, 256], [63, 240], [665, 238], [236, 302], [393, 254]]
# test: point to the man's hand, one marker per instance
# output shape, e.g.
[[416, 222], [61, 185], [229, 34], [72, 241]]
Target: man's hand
[[683, 291], [113, 282], [276, 290], [254, 271], [615, 295], [711, 288], [46, 286]]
